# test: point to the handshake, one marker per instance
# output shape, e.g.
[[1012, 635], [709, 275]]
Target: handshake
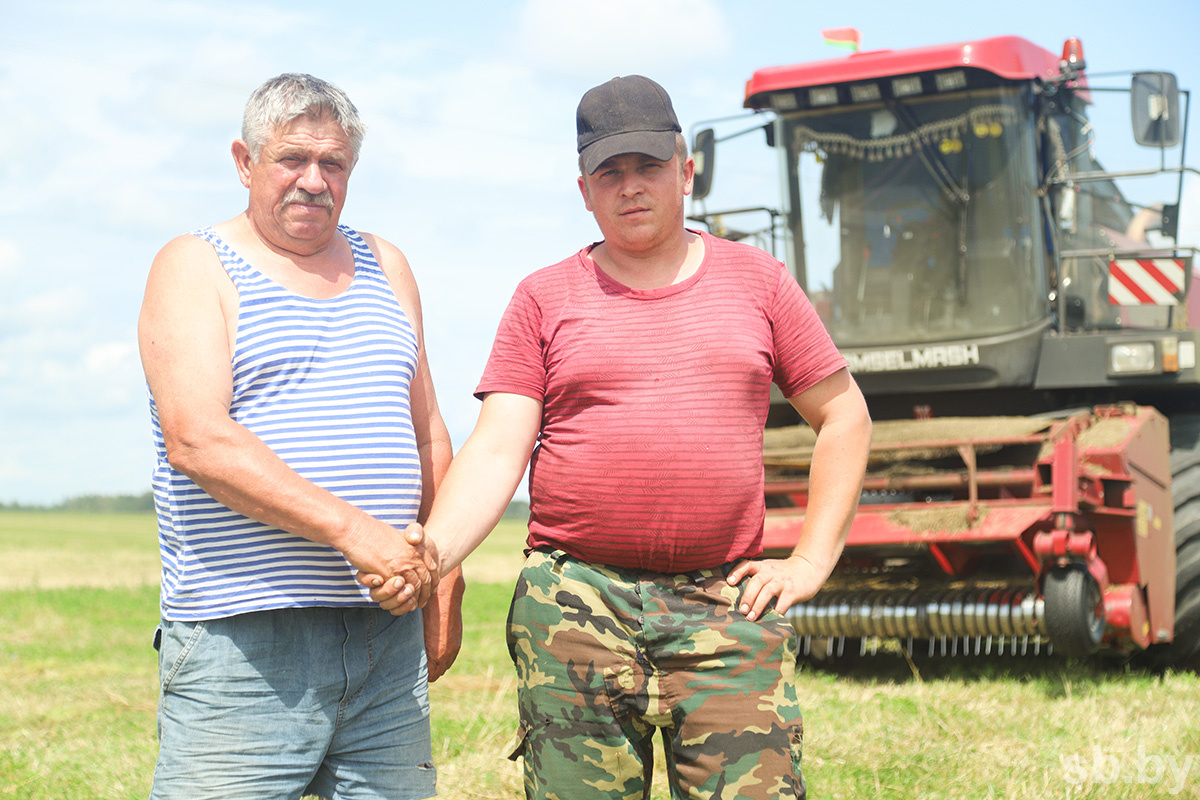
[[403, 575]]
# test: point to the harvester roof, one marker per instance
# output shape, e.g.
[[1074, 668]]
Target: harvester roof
[[1009, 57]]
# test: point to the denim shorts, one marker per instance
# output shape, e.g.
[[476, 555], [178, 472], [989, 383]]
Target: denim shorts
[[331, 702]]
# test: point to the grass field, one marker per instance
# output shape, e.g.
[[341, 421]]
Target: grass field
[[78, 605]]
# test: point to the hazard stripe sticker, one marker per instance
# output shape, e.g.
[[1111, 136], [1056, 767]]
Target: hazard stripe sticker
[[1146, 281]]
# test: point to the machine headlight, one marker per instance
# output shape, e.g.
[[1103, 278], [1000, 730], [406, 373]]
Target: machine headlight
[[784, 101], [1132, 358], [822, 96], [906, 86], [950, 81], [864, 92]]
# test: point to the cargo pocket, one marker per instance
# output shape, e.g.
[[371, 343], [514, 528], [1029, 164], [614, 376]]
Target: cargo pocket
[[516, 745], [796, 741]]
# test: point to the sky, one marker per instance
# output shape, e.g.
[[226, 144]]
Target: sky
[[117, 118]]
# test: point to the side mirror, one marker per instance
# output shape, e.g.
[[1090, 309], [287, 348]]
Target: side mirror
[[1155, 99], [704, 154]]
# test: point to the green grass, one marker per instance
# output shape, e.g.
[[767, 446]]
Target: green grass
[[77, 707], [474, 705], [994, 728]]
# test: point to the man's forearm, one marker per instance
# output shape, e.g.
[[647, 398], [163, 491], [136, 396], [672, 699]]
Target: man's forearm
[[241, 472], [483, 476], [447, 600], [835, 484], [436, 456], [470, 502]]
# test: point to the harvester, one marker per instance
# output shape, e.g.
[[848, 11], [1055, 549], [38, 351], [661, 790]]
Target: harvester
[[1019, 316]]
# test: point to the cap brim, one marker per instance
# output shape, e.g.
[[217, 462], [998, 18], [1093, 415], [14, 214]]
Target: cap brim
[[656, 144]]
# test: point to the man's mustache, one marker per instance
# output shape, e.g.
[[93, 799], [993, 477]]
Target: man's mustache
[[298, 195]]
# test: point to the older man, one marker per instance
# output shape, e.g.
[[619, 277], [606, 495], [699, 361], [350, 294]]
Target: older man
[[298, 436], [637, 374]]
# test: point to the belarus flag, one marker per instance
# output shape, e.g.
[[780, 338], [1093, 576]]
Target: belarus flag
[[846, 38]]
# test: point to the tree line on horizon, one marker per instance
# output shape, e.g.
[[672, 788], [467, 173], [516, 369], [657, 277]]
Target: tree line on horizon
[[93, 504]]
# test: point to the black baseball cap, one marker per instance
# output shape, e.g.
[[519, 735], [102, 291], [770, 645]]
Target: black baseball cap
[[626, 115]]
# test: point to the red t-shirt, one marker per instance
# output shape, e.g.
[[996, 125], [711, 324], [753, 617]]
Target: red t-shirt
[[654, 402]]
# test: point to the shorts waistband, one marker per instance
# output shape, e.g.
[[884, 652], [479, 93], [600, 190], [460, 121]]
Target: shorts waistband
[[634, 574]]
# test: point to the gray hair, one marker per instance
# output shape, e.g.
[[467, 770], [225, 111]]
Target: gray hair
[[286, 97]]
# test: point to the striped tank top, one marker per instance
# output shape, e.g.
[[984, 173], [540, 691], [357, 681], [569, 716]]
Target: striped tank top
[[325, 383]]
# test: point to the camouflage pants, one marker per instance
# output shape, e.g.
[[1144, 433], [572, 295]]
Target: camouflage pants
[[605, 657]]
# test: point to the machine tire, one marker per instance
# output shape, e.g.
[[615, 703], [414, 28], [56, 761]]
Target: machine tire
[[1074, 611], [1184, 651]]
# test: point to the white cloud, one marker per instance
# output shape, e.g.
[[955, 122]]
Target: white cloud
[[484, 120], [61, 351], [46, 378], [55, 308], [10, 258], [598, 41], [109, 356]]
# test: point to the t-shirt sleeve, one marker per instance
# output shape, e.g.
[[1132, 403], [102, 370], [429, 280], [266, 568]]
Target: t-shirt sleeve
[[804, 353], [517, 364]]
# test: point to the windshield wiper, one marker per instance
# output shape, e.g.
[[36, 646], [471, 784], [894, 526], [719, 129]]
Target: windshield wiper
[[936, 167], [930, 158]]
